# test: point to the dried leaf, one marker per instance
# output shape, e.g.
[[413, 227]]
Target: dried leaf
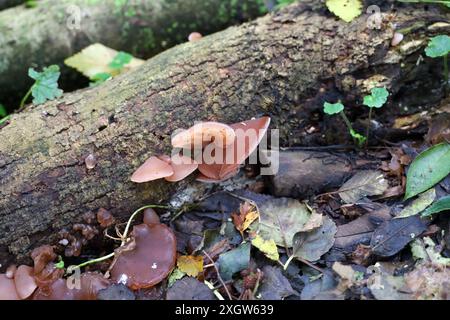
[[274, 285], [191, 265], [99, 59], [311, 245], [393, 235], [362, 184], [268, 247], [281, 219], [234, 261], [189, 288], [248, 214]]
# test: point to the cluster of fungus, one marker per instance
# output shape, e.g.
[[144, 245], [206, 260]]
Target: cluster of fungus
[[217, 150]]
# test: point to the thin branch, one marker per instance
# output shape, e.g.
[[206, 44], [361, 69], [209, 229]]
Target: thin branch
[[218, 274]]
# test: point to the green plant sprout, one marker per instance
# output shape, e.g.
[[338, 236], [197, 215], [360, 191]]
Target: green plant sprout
[[338, 108], [376, 99], [439, 46], [45, 86]]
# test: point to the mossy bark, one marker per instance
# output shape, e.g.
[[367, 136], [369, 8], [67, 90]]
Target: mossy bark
[[56, 29], [284, 65]]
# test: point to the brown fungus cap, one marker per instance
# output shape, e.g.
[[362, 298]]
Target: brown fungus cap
[[152, 169], [24, 281], [248, 136], [150, 216], [204, 132], [149, 261], [182, 167], [7, 289]]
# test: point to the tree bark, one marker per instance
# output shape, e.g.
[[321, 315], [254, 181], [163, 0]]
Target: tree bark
[[4, 4], [284, 65], [51, 32]]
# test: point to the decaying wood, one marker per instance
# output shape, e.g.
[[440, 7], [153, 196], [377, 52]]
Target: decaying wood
[[56, 29], [283, 65], [305, 173]]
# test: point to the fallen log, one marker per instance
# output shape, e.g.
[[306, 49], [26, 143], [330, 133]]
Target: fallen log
[[9, 3], [284, 65], [53, 30]]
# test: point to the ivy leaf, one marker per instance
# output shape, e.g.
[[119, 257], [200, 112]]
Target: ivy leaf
[[377, 98], [190, 265], [268, 247], [427, 169], [332, 108], [438, 46], [347, 10], [46, 84], [442, 204]]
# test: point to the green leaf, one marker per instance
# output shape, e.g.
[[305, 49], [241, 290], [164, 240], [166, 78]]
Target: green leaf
[[46, 84], [99, 78], [332, 108], [234, 261], [427, 169], [60, 264], [176, 274], [347, 10], [438, 46], [311, 245], [120, 60], [3, 111], [377, 98], [442, 204]]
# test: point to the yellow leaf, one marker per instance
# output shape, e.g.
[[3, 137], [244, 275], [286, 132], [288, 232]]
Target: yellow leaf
[[347, 10], [268, 247], [190, 265], [95, 59], [248, 214]]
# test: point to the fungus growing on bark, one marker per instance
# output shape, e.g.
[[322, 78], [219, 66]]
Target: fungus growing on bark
[[248, 136], [89, 286], [195, 36], [24, 281], [105, 218], [150, 216], [182, 167], [10, 271], [149, 260], [204, 132], [7, 288], [396, 39], [152, 169]]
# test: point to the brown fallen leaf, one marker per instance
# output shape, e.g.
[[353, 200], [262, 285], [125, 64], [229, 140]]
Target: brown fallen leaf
[[248, 214]]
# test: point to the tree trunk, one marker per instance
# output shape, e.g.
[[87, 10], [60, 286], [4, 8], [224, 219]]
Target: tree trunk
[[4, 4], [284, 65], [52, 31]]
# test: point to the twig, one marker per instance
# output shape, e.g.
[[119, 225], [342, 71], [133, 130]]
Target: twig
[[218, 274]]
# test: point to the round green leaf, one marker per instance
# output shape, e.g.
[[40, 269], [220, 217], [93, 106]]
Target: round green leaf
[[377, 99], [438, 46], [332, 108]]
